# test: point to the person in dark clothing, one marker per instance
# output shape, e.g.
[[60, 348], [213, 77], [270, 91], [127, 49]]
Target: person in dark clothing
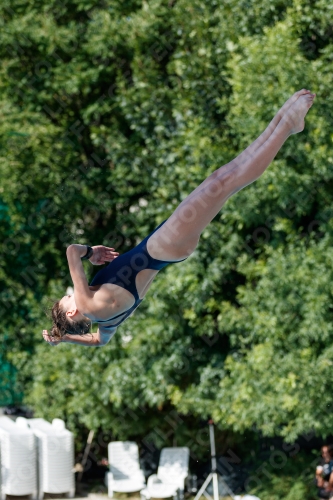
[[324, 473]]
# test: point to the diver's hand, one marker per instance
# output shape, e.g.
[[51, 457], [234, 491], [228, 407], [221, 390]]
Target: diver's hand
[[102, 255], [51, 340]]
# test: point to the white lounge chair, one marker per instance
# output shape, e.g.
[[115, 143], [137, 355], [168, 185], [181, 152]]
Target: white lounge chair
[[55, 446], [246, 497], [125, 475], [170, 478], [18, 466]]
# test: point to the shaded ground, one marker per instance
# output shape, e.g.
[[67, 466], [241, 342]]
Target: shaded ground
[[92, 496]]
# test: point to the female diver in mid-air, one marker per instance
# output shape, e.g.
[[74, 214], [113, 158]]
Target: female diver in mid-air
[[117, 289]]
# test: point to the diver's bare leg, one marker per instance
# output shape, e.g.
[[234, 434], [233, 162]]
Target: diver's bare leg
[[178, 237]]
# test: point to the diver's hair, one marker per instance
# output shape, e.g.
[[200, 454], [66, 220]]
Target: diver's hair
[[62, 325]]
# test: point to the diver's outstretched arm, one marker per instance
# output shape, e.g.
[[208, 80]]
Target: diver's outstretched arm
[[82, 293], [98, 339]]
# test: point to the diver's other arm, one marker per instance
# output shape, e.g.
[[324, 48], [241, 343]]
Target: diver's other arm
[[98, 339]]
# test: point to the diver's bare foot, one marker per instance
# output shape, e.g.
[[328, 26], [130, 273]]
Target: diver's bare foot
[[293, 118], [291, 101]]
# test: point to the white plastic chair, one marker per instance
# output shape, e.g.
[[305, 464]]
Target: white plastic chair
[[171, 474], [125, 475], [246, 497], [55, 446], [18, 465]]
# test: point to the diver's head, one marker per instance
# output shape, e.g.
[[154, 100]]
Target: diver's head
[[68, 319]]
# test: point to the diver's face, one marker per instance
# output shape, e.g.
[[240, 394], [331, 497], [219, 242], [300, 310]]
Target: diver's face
[[67, 303]]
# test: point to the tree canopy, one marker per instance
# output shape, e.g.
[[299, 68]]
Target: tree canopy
[[111, 113]]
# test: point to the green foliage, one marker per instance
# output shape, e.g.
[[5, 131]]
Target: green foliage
[[292, 481], [110, 115], [8, 386]]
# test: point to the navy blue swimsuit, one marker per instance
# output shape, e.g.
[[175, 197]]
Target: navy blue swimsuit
[[123, 270]]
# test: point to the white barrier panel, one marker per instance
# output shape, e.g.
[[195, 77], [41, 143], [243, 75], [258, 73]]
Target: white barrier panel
[[18, 462], [55, 446]]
